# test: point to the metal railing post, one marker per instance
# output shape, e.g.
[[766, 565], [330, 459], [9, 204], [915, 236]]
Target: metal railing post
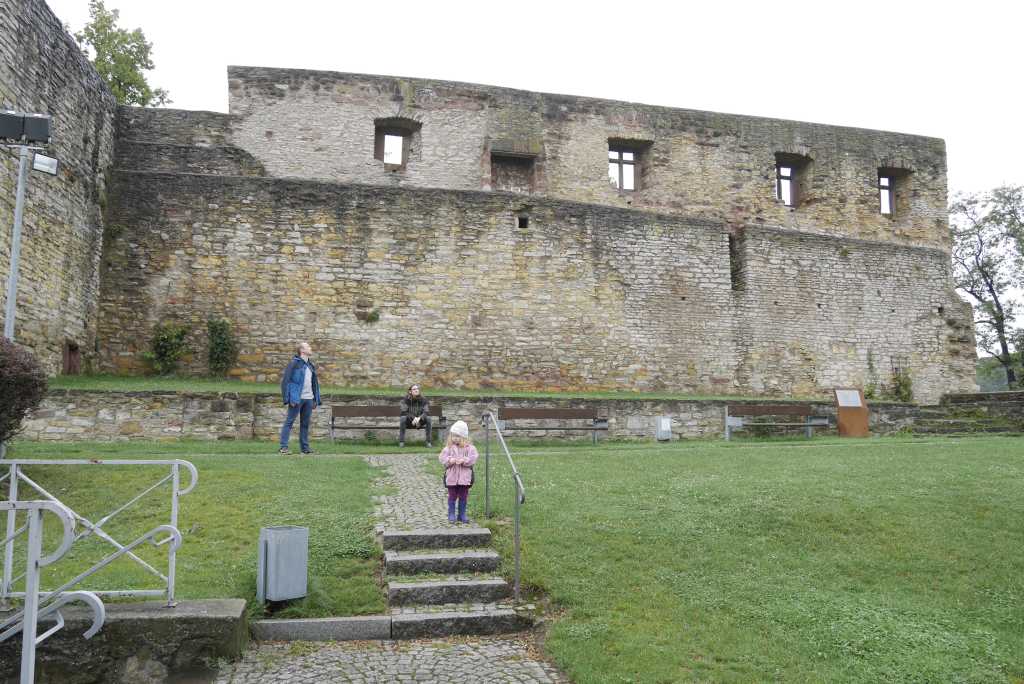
[[172, 550], [12, 496], [487, 466], [516, 542], [29, 625]]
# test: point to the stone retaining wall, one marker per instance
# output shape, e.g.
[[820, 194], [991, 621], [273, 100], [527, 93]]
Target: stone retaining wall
[[79, 415]]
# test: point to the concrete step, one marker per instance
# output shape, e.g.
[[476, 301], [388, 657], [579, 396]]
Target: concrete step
[[439, 538], [447, 591], [441, 561], [452, 623]]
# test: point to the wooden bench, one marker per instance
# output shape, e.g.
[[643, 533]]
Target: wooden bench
[[394, 411], [736, 417], [562, 414]]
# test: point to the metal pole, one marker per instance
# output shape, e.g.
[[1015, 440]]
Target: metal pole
[[12, 496], [171, 552], [28, 625], [19, 210], [515, 490], [487, 467]]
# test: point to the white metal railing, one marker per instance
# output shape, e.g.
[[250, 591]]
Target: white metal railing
[[26, 620], [16, 475], [490, 422]]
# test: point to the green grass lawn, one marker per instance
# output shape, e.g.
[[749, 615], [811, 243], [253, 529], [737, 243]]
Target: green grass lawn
[[243, 486], [865, 561]]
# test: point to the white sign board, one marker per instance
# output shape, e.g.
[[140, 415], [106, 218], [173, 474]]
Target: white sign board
[[849, 398]]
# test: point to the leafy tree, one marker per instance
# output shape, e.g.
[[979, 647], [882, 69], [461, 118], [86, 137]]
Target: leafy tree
[[988, 232], [120, 56]]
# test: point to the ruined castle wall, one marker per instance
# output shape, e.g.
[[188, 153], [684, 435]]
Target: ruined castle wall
[[312, 124], [815, 312], [43, 70], [450, 288], [581, 296]]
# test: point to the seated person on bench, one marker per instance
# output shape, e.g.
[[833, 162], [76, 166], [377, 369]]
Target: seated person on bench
[[415, 414]]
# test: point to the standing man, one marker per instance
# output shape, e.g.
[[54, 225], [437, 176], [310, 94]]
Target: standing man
[[415, 414], [300, 391]]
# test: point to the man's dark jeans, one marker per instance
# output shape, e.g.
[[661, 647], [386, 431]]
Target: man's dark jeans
[[406, 422], [304, 409]]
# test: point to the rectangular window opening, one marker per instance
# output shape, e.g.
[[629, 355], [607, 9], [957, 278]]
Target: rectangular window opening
[[885, 195], [622, 168], [735, 264], [784, 184], [393, 146], [524, 222]]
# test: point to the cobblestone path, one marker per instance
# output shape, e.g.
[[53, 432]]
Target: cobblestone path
[[419, 498], [464, 660], [417, 501]]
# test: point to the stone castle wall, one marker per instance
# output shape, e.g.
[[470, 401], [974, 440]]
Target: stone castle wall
[[465, 295], [316, 124], [43, 70]]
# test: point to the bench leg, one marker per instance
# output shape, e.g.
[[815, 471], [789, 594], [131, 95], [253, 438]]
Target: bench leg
[[810, 429]]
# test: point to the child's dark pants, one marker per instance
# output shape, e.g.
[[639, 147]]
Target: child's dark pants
[[458, 493]]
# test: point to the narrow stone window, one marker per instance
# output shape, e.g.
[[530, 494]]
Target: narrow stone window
[[523, 222], [891, 186], [393, 141], [885, 194], [790, 173]]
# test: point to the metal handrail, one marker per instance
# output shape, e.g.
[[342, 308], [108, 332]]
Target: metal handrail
[[489, 420], [27, 620], [15, 475]]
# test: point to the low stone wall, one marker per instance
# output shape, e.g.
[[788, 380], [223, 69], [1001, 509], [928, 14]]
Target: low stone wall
[[139, 642], [79, 415]]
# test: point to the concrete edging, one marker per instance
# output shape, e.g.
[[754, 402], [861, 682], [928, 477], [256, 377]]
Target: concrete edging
[[366, 627]]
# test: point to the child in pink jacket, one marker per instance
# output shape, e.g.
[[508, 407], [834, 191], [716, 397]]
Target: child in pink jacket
[[458, 458]]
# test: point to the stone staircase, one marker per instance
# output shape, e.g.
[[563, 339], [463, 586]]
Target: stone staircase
[[954, 417], [442, 582]]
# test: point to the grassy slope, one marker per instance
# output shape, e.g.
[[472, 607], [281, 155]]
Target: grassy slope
[[869, 561], [241, 488]]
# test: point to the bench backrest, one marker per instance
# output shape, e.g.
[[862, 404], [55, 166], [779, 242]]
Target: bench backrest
[[768, 410], [547, 413], [386, 411]]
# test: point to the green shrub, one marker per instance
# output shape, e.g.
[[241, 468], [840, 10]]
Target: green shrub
[[223, 347], [22, 386], [166, 347], [902, 387]]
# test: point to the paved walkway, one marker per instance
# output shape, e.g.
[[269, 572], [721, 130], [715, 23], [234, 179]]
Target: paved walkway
[[417, 501], [482, 659]]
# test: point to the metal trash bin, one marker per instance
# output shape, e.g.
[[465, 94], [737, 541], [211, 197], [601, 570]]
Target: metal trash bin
[[283, 562]]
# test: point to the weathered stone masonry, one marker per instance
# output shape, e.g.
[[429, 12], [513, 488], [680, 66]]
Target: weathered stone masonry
[[568, 284], [283, 217], [43, 70]]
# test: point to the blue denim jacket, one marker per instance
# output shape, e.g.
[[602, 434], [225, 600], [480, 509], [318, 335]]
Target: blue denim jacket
[[291, 381]]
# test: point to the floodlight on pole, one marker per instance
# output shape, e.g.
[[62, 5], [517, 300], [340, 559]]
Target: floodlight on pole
[[40, 162]]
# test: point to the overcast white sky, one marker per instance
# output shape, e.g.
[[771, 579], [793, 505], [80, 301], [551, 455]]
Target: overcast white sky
[[950, 70]]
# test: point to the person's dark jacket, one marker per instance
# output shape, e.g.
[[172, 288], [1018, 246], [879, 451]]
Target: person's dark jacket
[[293, 378], [414, 407]]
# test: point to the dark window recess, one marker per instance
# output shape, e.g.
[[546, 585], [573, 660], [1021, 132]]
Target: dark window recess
[[72, 359], [736, 278], [511, 174], [790, 178], [523, 222]]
